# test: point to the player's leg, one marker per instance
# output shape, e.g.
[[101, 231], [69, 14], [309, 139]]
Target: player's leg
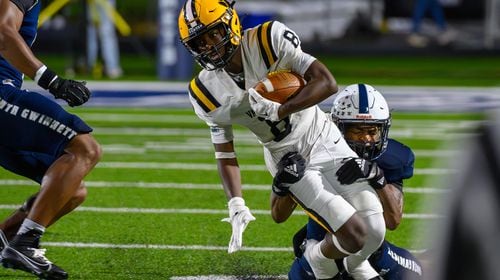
[[11, 225], [335, 214], [385, 261], [361, 197], [369, 209], [47, 129], [64, 178]]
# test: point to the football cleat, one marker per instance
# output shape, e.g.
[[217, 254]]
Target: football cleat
[[24, 253], [3, 241]]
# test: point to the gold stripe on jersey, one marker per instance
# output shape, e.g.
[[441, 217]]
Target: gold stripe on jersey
[[316, 217], [265, 44], [202, 96]]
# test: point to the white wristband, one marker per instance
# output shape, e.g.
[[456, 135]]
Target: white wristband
[[39, 73], [225, 155]]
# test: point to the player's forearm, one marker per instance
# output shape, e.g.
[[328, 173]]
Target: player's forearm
[[392, 202], [281, 207], [320, 85], [229, 172], [17, 53]]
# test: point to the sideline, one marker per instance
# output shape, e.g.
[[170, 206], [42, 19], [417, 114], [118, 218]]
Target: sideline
[[401, 98]]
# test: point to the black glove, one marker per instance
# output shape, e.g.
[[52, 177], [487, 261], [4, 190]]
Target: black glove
[[291, 169], [358, 168], [73, 92]]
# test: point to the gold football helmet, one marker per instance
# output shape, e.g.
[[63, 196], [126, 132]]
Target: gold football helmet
[[200, 16]]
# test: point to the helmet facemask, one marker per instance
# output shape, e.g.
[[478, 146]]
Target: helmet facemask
[[369, 150], [217, 56], [359, 110]]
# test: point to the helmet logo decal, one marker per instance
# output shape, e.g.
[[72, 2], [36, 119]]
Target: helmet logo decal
[[190, 15], [363, 99], [364, 116], [224, 3]]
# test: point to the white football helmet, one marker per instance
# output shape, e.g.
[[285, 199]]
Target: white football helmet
[[361, 104]]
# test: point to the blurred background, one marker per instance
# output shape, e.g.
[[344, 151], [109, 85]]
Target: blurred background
[[149, 46]]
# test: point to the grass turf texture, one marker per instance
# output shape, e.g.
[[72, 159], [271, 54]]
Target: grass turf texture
[[144, 136], [376, 70]]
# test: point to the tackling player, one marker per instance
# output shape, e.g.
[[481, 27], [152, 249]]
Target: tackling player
[[39, 140], [363, 116], [222, 95]]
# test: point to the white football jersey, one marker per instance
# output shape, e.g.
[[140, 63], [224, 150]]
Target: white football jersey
[[219, 101]]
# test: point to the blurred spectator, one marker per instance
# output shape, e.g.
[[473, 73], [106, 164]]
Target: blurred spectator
[[416, 38], [466, 243], [100, 29]]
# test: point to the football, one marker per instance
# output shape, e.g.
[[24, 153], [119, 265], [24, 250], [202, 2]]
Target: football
[[280, 86]]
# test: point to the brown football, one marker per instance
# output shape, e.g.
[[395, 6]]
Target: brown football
[[280, 86]]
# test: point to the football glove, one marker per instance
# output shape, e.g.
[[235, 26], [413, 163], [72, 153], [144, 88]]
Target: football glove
[[263, 107], [73, 92], [291, 169], [354, 169], [239, 217]]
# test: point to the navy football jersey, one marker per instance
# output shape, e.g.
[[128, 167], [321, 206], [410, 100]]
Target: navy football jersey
[[28, 30], [35, 129], [391, 261], [397, 162]]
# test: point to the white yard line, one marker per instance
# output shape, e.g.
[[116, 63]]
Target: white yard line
[[131, 210], [172, 185], [200, 145], [210, 166], [428, 132], [171, 247]]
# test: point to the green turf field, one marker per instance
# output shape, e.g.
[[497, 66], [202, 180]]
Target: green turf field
[[155, 203], [376, 70]]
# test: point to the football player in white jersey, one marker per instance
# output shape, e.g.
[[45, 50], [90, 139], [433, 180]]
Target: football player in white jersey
[[222, 95]]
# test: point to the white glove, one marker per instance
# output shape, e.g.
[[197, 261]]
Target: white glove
[[239, 217], [263, 107]]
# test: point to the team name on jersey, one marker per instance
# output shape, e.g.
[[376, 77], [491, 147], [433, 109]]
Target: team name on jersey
[[37, 117], [406, 263]]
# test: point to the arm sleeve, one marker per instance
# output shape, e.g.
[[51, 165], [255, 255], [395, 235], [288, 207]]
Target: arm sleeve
[[288, 47], [221, 134]]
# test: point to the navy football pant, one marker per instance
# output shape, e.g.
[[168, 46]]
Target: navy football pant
[[34, 131]]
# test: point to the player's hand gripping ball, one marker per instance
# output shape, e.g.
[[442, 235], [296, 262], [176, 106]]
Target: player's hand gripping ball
[[280, 86]]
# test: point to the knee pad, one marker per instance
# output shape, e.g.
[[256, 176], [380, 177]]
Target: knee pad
[[375, 227]]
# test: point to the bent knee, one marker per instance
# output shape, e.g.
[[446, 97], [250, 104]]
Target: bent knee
[[94, 151], [85, 146], [352, 235]]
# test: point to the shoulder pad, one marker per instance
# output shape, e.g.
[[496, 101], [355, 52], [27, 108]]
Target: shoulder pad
[[397, 162], [264, 36], [202, 95]]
